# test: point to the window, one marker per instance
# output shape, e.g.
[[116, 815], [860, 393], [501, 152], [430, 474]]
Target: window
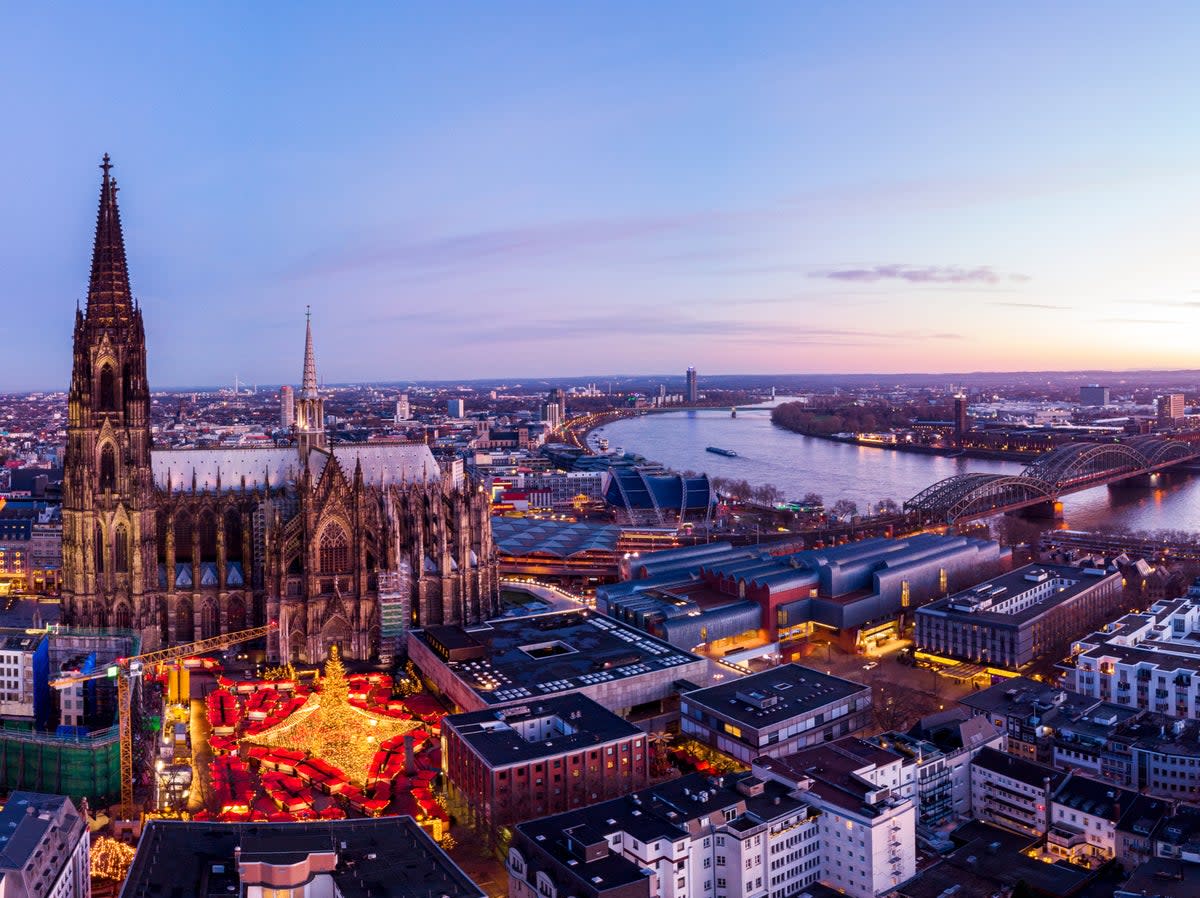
[[108, 468], [335, 551], [108, 390], [98, 548], [121, 550]]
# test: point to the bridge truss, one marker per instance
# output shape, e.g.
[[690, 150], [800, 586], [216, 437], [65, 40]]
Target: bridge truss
[[1062, 470]]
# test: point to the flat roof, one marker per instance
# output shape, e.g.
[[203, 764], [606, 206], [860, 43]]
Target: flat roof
[[993, 593], [495, 734], [774, 695], [391, 857], [543, 654]]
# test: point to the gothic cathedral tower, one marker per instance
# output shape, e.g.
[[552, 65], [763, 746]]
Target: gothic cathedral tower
[[109, 566]]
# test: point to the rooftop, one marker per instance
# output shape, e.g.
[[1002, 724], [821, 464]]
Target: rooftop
[[774, 695], [391, 857], [549, 726], [24, 822], [1028, 772], [512, 659], [1018, 596]]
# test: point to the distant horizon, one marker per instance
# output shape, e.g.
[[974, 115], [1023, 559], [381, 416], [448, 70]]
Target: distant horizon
[[462, 192], [601, 379]]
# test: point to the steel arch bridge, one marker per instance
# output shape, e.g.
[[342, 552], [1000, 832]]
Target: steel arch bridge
[[1069, 468]]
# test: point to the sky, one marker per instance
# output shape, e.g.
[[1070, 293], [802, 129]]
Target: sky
[[545, 189]]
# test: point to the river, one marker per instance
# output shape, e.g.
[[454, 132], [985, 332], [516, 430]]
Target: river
[[798, 464]]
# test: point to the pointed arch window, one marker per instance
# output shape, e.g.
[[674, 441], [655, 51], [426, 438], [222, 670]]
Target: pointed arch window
[[98, 548], [183, 537], [122, 618], [335, 551], [233, 535], [208, 537], [108, 468], [121, 550], [108, 389]]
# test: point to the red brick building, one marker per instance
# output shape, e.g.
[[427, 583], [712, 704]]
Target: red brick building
[[551, 755]]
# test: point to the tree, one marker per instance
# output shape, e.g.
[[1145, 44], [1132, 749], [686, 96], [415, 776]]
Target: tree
[[814, 499], [887, 506], [767, 493], [844, 508]]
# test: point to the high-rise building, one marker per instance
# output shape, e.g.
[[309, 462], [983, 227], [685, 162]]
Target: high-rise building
[[456, 408], [551, 415], [1093, 394], [962, 419], [558, 397], [403, 409], [287, 406], [693, 387], [1170, 409]]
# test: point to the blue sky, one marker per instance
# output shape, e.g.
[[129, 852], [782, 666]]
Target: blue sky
[[515, 190]]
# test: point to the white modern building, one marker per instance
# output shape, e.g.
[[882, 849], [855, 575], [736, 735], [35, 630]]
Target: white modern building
[[868, 830], [1149, 661]]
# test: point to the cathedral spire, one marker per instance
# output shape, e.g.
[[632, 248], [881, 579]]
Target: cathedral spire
[[308, 386], [109, 299]]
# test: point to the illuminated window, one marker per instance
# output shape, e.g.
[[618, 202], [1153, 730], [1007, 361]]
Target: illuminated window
[[905, 595], [942, 579], [733, 731]]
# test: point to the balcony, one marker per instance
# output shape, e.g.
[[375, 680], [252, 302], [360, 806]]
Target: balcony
[[1066, 836]]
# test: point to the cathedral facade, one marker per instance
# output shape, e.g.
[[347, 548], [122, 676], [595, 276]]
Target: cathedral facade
[[344, 544]]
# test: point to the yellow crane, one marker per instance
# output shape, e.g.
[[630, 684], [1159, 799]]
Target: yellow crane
[[126, 670]]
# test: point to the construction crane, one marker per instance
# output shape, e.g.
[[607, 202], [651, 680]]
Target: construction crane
[[126, 670]]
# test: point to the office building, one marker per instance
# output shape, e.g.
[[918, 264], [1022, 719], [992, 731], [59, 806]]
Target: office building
[[44, 848], [391, 857], [551, 755], [1012, 619], [403, 409], [1170, 409], [691, 837], [1093, 395], [558, 398], [867, 828], [287, 407], [456, 408], [513, 661], [24, 677], [962, 419], [552, 415], [775, 712], [693, 386]]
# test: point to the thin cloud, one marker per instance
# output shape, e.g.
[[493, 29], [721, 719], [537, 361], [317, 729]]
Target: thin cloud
[[1138, 321], [1031, 305], [921, 274], [1168, 303]]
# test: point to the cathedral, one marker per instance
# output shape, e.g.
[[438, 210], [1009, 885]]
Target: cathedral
[[345, 544]]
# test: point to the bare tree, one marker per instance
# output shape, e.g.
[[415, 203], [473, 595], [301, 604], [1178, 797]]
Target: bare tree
[[844, 508]]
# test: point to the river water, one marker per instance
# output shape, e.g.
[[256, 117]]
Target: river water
[[798, 464]]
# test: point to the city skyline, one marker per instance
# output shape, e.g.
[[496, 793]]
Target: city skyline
[[478, 196]]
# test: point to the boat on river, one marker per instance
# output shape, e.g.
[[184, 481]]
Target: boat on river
[[717, 450]]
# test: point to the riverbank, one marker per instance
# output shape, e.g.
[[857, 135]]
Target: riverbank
[[917, 449]]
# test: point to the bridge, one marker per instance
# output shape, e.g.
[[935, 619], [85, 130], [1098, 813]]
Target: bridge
[[1067, 469]]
